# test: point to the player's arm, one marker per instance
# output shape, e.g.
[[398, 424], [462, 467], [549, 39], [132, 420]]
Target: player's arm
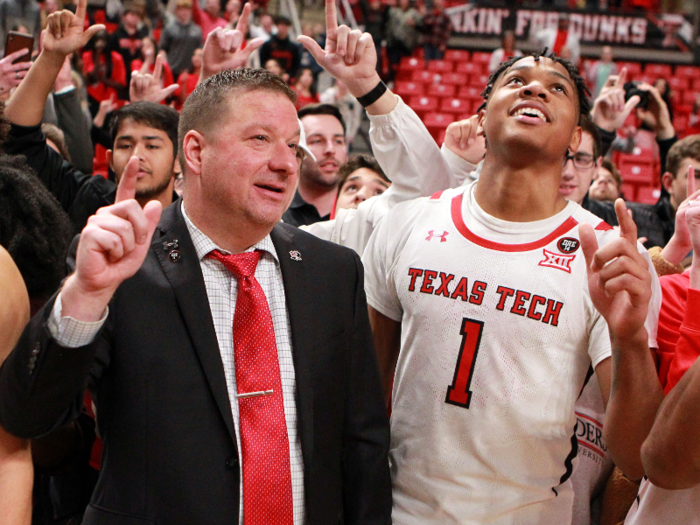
[[64, 34], [620, 286], [671, 453], [387, 343]]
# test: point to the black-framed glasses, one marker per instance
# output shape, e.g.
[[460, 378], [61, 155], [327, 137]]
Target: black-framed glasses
[[582, 161]]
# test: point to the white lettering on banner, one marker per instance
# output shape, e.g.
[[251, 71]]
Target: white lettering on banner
[[592, 28]]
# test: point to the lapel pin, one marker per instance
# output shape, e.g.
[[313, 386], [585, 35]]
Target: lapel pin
[[174, 255], [168, 246], [295, 255]]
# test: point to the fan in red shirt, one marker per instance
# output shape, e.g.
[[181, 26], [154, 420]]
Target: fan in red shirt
[[146, 63], [305, 89], [104, 70], [188, 79]]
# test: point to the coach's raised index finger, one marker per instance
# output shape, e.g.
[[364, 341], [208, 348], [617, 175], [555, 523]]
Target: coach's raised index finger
[[242, 24], [127, 184]]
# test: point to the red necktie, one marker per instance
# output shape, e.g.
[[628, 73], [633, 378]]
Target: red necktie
[[267, 480]]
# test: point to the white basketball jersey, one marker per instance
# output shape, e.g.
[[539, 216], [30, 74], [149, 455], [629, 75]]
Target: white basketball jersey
[[498, 332]]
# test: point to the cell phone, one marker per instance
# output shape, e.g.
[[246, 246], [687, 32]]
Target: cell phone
[[16, 41]]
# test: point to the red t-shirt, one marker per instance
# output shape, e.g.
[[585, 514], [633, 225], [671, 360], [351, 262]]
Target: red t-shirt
[[99, 90], [679, 329]]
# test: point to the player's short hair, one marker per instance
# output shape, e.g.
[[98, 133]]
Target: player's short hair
[[206, 106], [584, 104], [357, 162], [587, 126], [34, 229], [322, 109], [156, 116], [686, 148]]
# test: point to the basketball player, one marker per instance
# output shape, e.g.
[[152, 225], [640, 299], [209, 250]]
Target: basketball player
[[490, 303]]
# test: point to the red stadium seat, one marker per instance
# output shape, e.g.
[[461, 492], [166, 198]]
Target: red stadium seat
[[456, 106], [423, 105], [457, 79], [688, 72], [470, 68], [411, 63], [440, 66], [470, 92], [679, 83], [658, 70], [457, 55], [437, 122], [479, 81], [647, 194], [441, 137], [634, 69], [629, 192], [481, 57], [696, 84], [441, 90], [425, 77], [637, 169], [689, 98], [406, 89], [680, 123]]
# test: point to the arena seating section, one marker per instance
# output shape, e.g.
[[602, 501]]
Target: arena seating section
[[448, 90]]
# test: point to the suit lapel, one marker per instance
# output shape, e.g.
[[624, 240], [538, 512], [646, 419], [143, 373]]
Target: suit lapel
[[297, 278], [178, 258]]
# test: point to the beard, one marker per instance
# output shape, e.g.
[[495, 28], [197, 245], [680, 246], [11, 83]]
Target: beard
[[151, 192]]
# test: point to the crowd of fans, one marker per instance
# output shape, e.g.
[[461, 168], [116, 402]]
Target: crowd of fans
[[107, 83]]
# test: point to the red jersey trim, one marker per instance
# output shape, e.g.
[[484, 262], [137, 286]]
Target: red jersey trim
[[436, 195], [603, 226], [458, 220]]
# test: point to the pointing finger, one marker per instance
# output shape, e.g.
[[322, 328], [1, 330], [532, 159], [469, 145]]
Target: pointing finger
[[691, 180], [628, 229], [242, 24], [620, 82], [331, 17], [157, 70], [80, 11], [127, 184]]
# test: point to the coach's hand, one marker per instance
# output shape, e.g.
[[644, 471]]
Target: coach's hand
[[224, 47], [619, 281], [349, 55], [462, 139], [112, 248]]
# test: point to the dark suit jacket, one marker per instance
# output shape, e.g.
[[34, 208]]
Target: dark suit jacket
[[163, 410]]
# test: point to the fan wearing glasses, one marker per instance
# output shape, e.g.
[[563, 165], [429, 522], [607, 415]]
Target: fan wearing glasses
[[580, 169]]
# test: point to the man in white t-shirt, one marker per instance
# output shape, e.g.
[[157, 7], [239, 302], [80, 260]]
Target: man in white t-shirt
[[489, 305]]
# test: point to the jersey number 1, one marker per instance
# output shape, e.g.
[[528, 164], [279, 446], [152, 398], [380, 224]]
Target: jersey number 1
[[458, 392]]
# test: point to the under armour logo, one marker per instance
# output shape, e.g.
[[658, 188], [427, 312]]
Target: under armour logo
[[295, 255], [442, 236], [557, 260]]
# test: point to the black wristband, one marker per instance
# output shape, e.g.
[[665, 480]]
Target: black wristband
[[374, 95]]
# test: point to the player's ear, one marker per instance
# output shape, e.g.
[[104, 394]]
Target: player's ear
[[575, 139], [480, 123]]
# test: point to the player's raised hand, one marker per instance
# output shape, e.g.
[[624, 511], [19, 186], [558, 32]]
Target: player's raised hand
[[64, 30], [463, 139], [114, 243], [145, 87], [349, 55], [224, 47], [610, 109], [619, 281]]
